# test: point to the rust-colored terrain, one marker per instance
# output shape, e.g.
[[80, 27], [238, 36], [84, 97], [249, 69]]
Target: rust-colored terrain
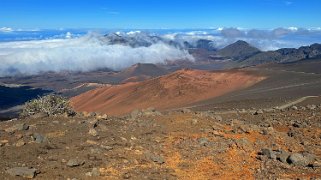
[[178, 89], [279, 144]]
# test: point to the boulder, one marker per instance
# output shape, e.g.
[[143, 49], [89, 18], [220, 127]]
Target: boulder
[[300, 159]]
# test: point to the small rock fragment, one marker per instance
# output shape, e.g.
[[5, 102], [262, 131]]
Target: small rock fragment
[[38, 138], [24, 172], [194, 121], [260, 111], [283, 156], [92, 132], [155, 158], [269, 153], [203, 141], [294, 108], [39, 115], [135, 113], [20, 143], [95, 172], [75, 162], [106, 147], [17, 127], [311, 107]]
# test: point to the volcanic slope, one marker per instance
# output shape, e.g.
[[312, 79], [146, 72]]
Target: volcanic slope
[[174, 90]]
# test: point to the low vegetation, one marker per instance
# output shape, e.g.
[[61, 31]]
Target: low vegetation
[[50, 104]]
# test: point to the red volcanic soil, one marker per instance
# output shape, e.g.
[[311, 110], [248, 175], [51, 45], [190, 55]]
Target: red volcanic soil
[[178, 89]]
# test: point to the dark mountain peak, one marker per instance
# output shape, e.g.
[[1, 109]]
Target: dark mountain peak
[[316, 46], [146, 69], [241, 42], [239, 50]]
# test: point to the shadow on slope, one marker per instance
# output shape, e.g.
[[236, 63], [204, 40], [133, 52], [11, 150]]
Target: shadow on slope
[[11, 97]]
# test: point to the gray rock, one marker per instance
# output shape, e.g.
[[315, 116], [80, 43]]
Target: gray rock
[[206, 114], [244, 129], [95, 151], [106, 147], [244, 143], [136, 113], [260, 111], [283, 156], [150, 112], [203, 141], [186, 110], [38, 138], [22, 126], [155, 158], [269, 153], [24, 172], [300, 159], [17, 127], [311, 107], [95, 172], [92, 114], [218, 117], [294, 108], [39, 115], [75, 162]]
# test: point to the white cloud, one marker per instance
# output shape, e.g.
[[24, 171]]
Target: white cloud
[[133, 32], [6, 29], [293, 28], [68, 35], [82, 54]]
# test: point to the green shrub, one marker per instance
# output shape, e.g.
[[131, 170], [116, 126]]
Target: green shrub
[[50, 104]]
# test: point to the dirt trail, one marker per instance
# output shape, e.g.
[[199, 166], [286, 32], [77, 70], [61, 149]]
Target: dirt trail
[[283, 106]]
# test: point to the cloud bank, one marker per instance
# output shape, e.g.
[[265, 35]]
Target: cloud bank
[[71, 50], [79, 54]]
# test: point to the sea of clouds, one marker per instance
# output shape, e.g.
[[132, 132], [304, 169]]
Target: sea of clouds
[[32, 52], [79, 54]]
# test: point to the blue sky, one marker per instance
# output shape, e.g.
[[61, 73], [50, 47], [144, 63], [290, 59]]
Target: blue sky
[[155, 14]]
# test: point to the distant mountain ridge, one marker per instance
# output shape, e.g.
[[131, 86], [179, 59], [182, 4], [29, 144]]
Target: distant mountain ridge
[[284, 55], [243, 54], [240, 52]]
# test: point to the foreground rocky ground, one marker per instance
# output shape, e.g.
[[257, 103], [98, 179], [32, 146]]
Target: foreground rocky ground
[[283, 144]]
